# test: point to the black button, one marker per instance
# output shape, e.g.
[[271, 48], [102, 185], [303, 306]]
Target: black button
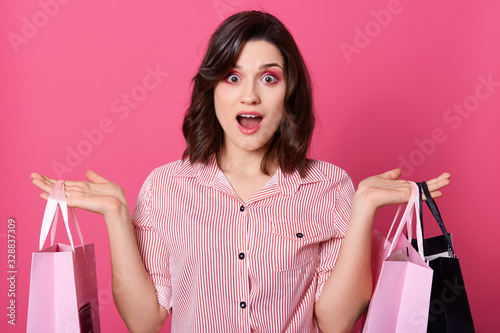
[[241, 255], [299, 235], [243, 305], [242, 208]]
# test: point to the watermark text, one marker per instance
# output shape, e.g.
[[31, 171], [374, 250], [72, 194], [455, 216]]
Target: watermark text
[[11, 271]]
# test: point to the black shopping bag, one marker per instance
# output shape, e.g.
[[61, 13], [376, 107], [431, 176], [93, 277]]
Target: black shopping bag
[[449, 309]]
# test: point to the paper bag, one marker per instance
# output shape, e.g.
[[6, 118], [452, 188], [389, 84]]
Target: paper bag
[[63, 285], [402, 279]]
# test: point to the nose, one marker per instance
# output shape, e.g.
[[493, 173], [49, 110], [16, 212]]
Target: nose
[[250, 94]]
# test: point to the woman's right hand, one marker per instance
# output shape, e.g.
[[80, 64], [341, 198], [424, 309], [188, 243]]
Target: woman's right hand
[[98, 195], [133, 290]]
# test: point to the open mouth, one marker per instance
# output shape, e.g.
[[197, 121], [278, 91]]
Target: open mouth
[[249, 121]]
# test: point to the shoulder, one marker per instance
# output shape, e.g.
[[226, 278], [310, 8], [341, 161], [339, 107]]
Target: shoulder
[[172, 172], [179, 168], [330, 172], [339, 191]]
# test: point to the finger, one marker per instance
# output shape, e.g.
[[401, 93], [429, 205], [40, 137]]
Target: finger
[[75, 184], [436, 194], [95, 178], [36, 175], [434, 185], [42, 184], [75, 192], [444, 176], [439, 182], [391, 174]]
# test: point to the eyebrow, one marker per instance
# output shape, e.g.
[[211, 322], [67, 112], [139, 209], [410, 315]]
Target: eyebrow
[[264, 66]]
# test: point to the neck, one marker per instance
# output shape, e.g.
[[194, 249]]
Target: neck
[[243, 163]]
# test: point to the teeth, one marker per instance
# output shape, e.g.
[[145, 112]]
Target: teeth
[[248, 116]]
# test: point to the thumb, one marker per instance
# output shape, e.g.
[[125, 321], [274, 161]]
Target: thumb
[[95, 178], [392, 174]]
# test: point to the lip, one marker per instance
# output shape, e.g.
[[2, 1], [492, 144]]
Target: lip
[[252, 130], [250, 113]]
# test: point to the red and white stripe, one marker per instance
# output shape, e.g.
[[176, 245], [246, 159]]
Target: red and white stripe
[[206, 254]]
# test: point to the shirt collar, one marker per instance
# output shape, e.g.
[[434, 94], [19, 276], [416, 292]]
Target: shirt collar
[[288, 183], [203, 173]]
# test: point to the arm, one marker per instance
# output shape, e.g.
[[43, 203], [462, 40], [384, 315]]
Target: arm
[[347, 291], [133, 291]]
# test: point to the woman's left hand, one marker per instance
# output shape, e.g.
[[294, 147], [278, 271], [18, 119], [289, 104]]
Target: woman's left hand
[[386, 189]]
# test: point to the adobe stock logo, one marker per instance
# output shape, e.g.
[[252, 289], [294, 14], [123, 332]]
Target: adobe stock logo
[[418, 320], [454, 117], [122, 107], [31, 26], [448, 295], [225, 7], [363, 37]]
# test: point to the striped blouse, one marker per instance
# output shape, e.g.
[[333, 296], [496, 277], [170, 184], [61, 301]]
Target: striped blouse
[[220, 265]]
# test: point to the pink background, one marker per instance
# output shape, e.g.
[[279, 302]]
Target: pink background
[[385, 97]]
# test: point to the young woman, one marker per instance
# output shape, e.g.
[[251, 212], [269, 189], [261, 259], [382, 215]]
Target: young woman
[[245, 233]]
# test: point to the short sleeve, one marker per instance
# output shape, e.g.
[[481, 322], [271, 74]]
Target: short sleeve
[[151, 246], [340, 214]]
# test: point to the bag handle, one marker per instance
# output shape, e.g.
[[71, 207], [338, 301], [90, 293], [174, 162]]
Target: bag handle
[[437, 215], [406, 220], [420, 213], [400, 208], [50, 216], [408, 230]]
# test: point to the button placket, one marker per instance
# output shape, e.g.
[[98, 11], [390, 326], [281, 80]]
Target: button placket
[[241, 255], [243, 268]]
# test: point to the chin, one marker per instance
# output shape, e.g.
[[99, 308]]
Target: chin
[[252, 147]]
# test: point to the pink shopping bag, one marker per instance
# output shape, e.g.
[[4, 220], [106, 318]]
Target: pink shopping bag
[[63, 286], [402, 278]]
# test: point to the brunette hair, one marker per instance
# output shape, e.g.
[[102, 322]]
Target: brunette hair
[[202, 131]]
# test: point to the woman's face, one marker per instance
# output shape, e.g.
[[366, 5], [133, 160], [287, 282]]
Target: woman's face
[[250, 100]]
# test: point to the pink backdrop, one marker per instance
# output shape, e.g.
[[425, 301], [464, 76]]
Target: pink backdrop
[[103, 86]]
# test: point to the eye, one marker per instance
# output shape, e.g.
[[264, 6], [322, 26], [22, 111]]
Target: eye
[[233, 78], [269, 78]]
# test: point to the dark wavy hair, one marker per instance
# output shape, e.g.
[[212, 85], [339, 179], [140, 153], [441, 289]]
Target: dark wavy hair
[[202, 131]]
